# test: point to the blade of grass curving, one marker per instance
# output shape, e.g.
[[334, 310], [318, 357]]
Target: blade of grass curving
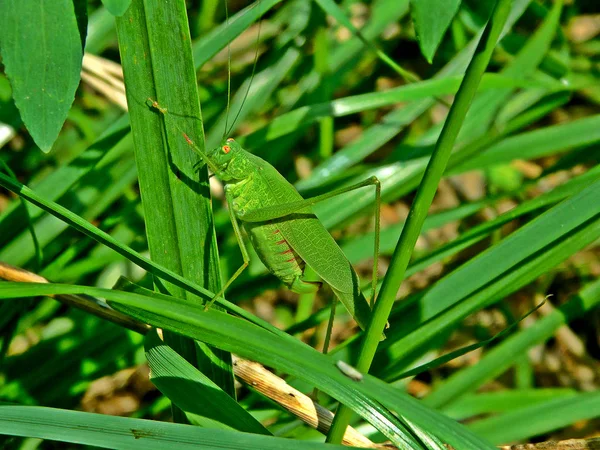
[[401, 178], [112, 144], [103, 238], [485, 106], [464, 350], [537, 143], [501, 357], [537, 111], [539, 419], [479, 232], [129, 303], [90, 200], [156, 55], [422, 202], [503, 401], [554, 224], [26, 213], [124, 433], [421, 90], [288, 355], [193, 392], [331, 8], [407, 347], [357, 248]]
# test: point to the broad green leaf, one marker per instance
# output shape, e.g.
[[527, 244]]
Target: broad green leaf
[[42, 52], [290, 356], [432, 18]]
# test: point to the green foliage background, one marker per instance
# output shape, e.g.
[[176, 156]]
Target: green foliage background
[[341, 92]]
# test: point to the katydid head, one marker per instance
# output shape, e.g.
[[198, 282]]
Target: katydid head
[[228, 160]]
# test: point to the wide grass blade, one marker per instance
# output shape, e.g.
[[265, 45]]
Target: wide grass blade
[[193, 392], [290, 356], [125, 433]]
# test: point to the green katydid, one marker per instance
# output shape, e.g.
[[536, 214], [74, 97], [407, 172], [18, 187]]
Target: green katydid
[[281, 226]]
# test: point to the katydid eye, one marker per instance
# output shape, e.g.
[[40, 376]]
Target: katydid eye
[[226, 149], [229, 139]]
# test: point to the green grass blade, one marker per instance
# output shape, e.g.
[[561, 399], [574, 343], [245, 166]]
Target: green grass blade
[[498, 360], [124, 433], [207, 47], [503, 401], [550, 226], [111, 145], [331, 8], [408, 347], [539, 419], [423, 199], [156, 54], [290, 356], [193, 392], [537, 143]]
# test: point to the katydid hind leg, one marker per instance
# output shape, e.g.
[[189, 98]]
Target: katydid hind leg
[[330, 325], [286, 209]]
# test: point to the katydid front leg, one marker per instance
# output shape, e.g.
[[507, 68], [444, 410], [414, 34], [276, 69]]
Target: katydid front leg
[[245, 256]]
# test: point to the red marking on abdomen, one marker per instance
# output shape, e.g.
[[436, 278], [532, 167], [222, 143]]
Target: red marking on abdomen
[[291, 260], [276, 231], [283, 241], [289, 250]]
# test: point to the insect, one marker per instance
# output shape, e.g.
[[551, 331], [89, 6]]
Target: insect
[[282, 228], [349, 371]]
